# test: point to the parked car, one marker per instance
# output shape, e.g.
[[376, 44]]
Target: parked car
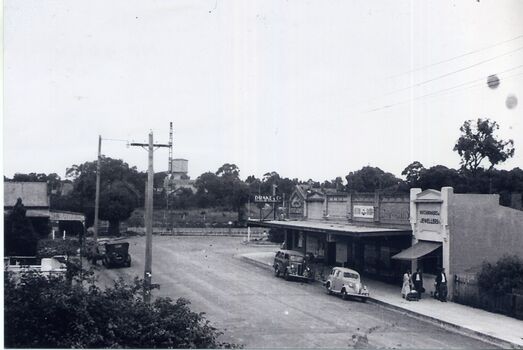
[[116, 254], [292, 264], [347, 283]]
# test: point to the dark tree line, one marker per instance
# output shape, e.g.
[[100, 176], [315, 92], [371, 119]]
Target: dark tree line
[[123, 187]]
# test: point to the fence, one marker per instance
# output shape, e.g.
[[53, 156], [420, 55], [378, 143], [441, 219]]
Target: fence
[[467, 292], [202, 231]]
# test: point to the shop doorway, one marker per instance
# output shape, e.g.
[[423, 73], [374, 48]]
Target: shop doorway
[[432, 262], [331, 253]]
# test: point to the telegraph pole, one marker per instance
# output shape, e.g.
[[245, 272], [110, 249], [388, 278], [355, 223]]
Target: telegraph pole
[[147, 275], [97, 198]]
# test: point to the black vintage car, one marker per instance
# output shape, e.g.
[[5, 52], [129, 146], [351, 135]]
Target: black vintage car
[[116, 254], [292, 264]]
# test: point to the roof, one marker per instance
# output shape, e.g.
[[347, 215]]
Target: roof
[[344, 269], [418, 250], [329, 227], [33, 194], [62, 215], [292, 252]]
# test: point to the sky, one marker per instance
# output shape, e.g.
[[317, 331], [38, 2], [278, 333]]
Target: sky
[[309, 89]]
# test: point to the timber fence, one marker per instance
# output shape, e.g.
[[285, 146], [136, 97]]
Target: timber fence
[[467, 292]]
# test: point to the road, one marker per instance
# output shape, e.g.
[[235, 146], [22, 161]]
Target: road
[[256, 309]]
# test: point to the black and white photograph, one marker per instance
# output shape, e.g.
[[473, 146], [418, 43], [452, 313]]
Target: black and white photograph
[[263, 174]]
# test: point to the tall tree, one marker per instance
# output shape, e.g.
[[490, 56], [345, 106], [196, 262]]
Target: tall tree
[[228, 170], [121, 190], [20, 237], [413, 173], [479, 142]]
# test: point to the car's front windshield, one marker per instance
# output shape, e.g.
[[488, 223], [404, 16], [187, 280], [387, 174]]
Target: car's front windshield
[[296, 258]]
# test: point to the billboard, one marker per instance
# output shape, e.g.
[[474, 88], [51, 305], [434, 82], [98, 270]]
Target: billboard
[[363, 211]]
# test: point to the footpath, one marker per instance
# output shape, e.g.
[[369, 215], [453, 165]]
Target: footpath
[[494, 328]]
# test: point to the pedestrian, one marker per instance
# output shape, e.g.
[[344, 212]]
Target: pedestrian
[[441, 285], [417, 280], [407, 281]]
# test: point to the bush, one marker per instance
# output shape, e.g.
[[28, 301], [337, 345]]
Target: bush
[[48, 248], [45, 312], [502, 277]]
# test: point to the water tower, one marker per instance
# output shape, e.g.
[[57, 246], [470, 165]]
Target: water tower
[[180, 168]]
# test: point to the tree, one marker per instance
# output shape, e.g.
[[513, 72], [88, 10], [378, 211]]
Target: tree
[[413, 173], [336, 183], [370, 179], [117, 202], [478, 142], [121, 190], [440, 176], [501, 277], [49, 312], [20, 237], [228, 170]]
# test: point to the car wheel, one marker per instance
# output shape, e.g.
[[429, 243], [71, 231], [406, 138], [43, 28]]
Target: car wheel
[[344, 294], [328, 287]]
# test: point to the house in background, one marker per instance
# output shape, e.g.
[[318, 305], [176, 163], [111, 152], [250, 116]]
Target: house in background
[[35, 198]]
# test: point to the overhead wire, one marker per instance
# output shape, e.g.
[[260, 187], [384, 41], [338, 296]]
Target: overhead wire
[[456, 57], [454, 72], [474, 82]]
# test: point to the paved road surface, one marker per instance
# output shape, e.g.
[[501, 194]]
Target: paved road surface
[[258, 310]]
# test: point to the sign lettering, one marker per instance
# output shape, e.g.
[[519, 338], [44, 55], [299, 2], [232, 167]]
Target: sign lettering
[[267, 199], [429, 217]]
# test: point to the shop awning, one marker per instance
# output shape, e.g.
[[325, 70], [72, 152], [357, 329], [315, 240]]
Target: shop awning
[[417, 250]]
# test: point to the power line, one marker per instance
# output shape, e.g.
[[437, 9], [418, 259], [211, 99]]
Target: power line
[[454, 72], [474, 82], [118, 140], [455, 57]]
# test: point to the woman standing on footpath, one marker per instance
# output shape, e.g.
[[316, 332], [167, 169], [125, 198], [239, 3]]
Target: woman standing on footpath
[[407, 281]]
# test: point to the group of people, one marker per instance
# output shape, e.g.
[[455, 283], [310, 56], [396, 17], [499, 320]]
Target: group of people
[[413, 283]]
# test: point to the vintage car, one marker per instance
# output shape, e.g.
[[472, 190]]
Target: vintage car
[[347, 283], [116, 254], [292, 264]]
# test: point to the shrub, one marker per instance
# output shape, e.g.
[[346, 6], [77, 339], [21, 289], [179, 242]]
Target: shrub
[[45, 312], [50, 247], [502, 277]]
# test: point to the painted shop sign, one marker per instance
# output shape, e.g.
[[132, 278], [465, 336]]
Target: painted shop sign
[[267, 199], [429, 216], [363, 211]]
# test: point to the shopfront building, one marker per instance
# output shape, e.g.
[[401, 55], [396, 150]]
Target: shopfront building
[[458, 232], [360, 231]]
